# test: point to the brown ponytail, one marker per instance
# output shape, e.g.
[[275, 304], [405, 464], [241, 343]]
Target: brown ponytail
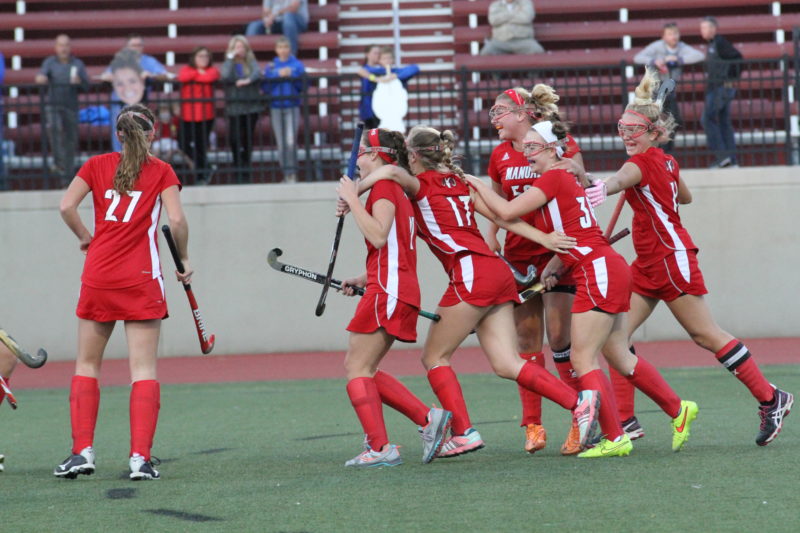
[[393, 140], [435, 149], [134, 124]]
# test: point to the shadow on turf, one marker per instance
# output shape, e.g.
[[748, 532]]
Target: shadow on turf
[[181, 515], [334, 435], [120, 494]]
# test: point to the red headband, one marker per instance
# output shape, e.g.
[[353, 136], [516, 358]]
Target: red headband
[[514, 95], [375, 142]]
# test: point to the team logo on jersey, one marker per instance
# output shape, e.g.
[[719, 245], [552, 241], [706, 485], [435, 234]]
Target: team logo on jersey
[[449, 182], [670, 164], [506, 157], [518, 173]]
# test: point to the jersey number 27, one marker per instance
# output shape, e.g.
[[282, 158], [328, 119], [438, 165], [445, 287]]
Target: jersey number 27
[[115, 198]]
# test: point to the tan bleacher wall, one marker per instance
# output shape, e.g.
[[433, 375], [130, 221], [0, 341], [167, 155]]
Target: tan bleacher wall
[[743, 220]]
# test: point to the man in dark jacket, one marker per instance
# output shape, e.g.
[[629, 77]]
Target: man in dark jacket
[[722, 68]]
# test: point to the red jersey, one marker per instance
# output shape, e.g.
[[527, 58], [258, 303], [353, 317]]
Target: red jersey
[[197, 93], [393, 268], [168, 130], [124, 249], [657, 228], [511, 170], [568, 210], [445, 217]]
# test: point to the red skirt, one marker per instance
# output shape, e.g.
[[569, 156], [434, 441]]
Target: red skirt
[[379, 310], [603, 282], [480, 280], [140, 302], [675, 275]]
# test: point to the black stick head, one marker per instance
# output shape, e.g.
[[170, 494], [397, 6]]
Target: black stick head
[[320, 309]]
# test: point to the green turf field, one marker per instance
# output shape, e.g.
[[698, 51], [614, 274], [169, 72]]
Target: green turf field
[[268, 457]]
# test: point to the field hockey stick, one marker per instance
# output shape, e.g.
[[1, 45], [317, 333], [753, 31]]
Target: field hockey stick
[[275, 253], [32, 361], [666, 87], [351, 170], [614, 217], [538, 287], [206, 340], [9, 395], [519, 277]]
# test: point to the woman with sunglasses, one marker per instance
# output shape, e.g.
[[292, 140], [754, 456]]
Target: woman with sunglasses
[[603, 282], [513, 114], [666, 267], [388, 309], [481, 290]]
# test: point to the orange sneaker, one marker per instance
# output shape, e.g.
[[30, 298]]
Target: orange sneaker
[[535, 438], [572, 445]]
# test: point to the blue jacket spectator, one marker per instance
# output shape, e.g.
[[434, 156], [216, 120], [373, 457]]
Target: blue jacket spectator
[[379, 60], [284, 112], [284, 93]]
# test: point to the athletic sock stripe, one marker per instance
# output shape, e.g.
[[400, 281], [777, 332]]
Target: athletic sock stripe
[[735, 357], [562, 357]]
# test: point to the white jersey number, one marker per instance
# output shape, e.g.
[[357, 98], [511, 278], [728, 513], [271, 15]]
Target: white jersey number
[[588, 219], [115, 198], [457, 210]]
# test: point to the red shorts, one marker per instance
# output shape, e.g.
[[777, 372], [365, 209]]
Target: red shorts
[[480, 280], [675, 275], [603, 282], [540, 261], [140, 302], [379, 310]]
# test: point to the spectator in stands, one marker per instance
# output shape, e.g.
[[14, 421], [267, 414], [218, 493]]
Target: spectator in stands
[[197, 109], [284, 86], [241, 75], [64, 74], [2, 118], [379, 68], [150, 68], [667, 56], [289, 17], [722, 68], [167, 126], [512, 28]]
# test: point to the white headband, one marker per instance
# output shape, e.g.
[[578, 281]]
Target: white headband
[[545, 129]]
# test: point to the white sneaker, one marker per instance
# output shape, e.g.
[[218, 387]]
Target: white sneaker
[[76, 464], [143, 470], [433, 433], [389, 456]]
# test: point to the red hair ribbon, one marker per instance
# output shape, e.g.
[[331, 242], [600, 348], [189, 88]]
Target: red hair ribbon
[[375, 142], [515, 97]]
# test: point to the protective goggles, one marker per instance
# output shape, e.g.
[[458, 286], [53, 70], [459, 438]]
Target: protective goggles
[[378, 149], [531, 149], [633, 130]]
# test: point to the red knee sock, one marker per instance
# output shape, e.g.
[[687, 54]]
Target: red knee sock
[[367, 403], [535, 378], [446, 387], [84, 400], [736, 358], [624, 393], [609, 416], [647, 379], [144, 405], [564, 368], [2, 392], [531, 401], [398, 397]]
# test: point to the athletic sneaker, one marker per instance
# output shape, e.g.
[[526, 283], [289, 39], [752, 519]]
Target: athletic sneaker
[[535, 438], [772, 416], [76, 464], [682, 423], [470, 441], [389, 456], [572, 445], [632, 428], [585, 415], [434, 432], [143, 470], [619, 448]]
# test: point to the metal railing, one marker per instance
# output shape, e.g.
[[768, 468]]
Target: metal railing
[[592, 99]]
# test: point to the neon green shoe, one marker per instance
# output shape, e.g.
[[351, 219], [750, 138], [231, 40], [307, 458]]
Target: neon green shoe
[[607, 448], [682, 423]]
